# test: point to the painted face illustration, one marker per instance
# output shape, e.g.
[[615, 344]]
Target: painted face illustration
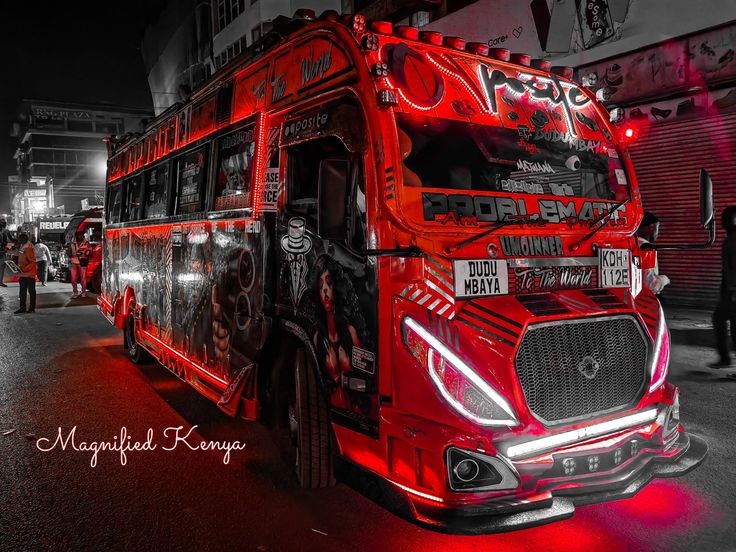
[[326, 287]]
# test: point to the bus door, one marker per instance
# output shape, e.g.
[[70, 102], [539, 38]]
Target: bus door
[[327, 286]]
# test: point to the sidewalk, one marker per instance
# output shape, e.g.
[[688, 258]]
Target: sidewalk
[[53, 295]]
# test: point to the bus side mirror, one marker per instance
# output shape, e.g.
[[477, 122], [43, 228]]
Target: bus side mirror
[[333, 184], [706, 198], [706, 218]]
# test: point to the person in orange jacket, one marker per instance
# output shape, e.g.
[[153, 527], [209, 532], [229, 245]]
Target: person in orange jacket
[[27, 279]]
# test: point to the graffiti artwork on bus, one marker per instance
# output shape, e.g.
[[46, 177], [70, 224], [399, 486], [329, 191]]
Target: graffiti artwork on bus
[[210, 310], [335, 302]]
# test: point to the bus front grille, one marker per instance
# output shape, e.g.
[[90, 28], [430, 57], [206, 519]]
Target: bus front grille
[[576, 369]]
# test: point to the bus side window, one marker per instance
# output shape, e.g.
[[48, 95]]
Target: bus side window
[[155, 197], [191, 178], [132, 192], [234, 169], [113, 203]]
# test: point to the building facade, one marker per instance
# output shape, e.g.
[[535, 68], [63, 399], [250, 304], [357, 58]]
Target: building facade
[[236, 24], [61, 155]]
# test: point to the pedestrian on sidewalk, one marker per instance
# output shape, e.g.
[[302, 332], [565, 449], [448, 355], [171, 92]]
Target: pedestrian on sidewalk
[[6, 240], [647, 234], [27, 279], [79, 255], [726, 309], [43, 260]]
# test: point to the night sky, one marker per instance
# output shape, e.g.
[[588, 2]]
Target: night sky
[[77, 51]]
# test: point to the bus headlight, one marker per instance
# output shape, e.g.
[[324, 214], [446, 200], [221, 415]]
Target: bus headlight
[[661, 356], [460, 385]]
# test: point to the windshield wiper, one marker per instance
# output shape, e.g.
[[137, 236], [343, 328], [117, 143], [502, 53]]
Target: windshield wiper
[[604, 218], [493, 228]]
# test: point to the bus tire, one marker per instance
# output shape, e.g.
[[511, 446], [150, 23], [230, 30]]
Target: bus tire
[[136, 353], [310, 426]]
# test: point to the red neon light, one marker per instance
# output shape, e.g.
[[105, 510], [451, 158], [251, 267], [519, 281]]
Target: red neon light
[[260, 169], [461, 80], [181, 356]]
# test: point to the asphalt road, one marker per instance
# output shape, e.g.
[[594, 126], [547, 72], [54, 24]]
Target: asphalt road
[[65, 367]]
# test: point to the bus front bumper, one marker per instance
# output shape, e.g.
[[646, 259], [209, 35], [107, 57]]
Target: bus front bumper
[[556, 499]]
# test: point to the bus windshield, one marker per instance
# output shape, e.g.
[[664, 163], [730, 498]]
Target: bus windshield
[[457, 155]]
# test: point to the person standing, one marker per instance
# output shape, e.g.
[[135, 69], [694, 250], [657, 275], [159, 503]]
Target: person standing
[[79, 251], [6, 239], [646, 234], [27, 278], [726, 309], [43, 260]]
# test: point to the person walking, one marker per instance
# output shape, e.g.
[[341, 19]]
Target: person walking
[[27, 279], [43, 260], [726, 309], [6, 239], [79, 251]]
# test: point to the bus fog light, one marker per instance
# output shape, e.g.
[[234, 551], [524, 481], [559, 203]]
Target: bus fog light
[[472, 471], [617, 457], [466, 470], [569, 466]]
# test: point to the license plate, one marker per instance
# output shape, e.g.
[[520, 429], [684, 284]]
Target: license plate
[[480, 278], [614, 268]]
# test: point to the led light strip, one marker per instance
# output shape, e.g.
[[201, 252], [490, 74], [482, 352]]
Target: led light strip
[[418, 493], [184, 358], [466, 371], [654, 385], [569, 437]]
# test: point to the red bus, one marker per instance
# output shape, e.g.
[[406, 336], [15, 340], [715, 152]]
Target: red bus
[[89, 222], [415, 254]]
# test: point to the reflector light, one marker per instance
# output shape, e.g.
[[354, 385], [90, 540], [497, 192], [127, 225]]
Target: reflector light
[[383, 27], [309, 15], [616, 115], [563, 71], [501, 54], [594, 462], [370, 42], [387, 98], [542, 64], [380, 70], [479, 48], [462, 388], [570, 437], [407, 31], [521, 59], [433, 37], [454, 42], [358, 24]]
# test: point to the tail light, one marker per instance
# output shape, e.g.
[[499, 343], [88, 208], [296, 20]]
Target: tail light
[[462, 387], [661, 357]]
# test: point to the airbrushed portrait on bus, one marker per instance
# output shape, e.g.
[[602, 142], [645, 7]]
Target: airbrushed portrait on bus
[[416, 259]]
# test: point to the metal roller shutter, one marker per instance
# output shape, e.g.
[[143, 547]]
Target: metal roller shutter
[[667, 159]]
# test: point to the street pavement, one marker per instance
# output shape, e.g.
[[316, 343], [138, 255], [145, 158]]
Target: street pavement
[[65, 367]]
